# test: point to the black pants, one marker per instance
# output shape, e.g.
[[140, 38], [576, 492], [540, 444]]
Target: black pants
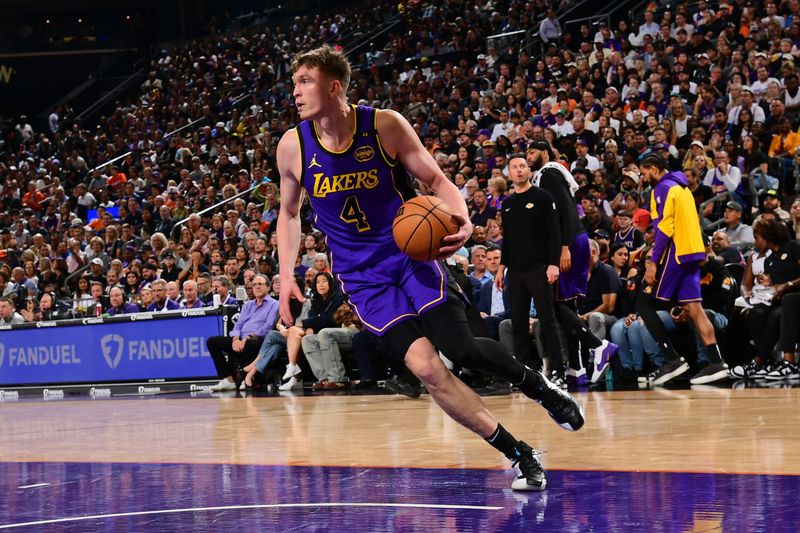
[[790, 322], [522, 286], [226, 360], [764, 322]]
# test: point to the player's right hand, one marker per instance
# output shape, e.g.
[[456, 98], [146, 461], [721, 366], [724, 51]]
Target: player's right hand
[[289, 290]]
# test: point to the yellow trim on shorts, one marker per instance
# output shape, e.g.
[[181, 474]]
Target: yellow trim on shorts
[[394, 320], [441, 288]]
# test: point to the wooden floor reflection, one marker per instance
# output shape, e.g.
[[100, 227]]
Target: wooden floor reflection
[[723, 431]]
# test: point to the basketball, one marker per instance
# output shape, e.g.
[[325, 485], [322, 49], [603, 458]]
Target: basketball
[[420, 225]]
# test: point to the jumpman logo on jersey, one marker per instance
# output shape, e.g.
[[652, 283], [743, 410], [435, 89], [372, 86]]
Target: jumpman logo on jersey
[[314, 162]]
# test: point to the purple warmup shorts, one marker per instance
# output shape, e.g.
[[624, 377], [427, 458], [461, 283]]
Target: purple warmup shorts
[[573, 282], [396, 289], [678, 282]]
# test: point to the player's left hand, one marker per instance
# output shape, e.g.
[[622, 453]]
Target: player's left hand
[[453, 243]]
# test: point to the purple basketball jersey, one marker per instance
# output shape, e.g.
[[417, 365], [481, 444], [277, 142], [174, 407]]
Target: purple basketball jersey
[[355, 193]]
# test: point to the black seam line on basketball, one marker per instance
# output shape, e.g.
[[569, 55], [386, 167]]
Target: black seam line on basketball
[[433, 208], [411, 237], [430, 238], [441, 223]]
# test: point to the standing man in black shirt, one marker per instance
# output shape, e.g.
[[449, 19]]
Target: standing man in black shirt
[[530, 255]]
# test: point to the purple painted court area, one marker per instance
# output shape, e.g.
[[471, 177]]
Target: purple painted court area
[[194, 497]]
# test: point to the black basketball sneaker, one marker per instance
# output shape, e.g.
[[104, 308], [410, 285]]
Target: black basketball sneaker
[[530, 474]]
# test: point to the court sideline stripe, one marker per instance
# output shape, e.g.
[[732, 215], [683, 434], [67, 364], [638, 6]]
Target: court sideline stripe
[[254, 506]]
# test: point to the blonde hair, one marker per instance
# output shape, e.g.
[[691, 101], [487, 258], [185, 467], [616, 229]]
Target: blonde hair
[[329, 61], [499, 184]]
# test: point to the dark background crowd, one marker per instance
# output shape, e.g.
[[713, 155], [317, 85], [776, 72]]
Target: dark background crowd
[[87, 207]]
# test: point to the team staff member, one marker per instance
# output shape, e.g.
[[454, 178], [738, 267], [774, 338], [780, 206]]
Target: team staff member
[[531, 254], [673, 272]]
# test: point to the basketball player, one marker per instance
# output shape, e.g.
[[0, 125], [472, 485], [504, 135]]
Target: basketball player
[[673, 272], [574, 263], [351, 161]]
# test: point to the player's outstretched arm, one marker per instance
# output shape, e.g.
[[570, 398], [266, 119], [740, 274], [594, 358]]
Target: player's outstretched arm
[[289, 221], [400, 140]]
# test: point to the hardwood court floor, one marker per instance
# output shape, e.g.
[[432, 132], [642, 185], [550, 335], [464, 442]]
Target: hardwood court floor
[[660, 460], [720, 430]]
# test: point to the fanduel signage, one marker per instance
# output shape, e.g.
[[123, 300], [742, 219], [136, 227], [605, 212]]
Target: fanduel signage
[[121, 351]]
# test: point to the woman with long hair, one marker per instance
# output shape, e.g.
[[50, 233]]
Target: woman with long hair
[[131, 284], [618, 257], [464, 163], [325, 300], [82, 297]]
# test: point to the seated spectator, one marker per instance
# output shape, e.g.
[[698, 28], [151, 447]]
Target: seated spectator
[[325, 300], [739, 234], [493, 305], [99, 304], [782, 273], [205, 292], [8, 312], [321, 263], [256, 318], [174, 292], [722, 248], [597, 307], [479, 270], [118, 305], [82, 297], [481, 211], [190, 297], [771, 203], [276, 341], [641, 217], [628, 234], [160, 300], [724, 177], [619, 259], [595, 219], [323, 349], [169, 270]]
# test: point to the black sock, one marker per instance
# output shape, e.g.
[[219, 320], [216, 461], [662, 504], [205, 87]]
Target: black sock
[[646, 308], [713, 353], [504, 442]]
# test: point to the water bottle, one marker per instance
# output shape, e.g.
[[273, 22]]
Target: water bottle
[[217, 300], [98, 310]]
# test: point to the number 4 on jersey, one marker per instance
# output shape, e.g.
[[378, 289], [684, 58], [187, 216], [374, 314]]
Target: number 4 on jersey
[[352, 214]]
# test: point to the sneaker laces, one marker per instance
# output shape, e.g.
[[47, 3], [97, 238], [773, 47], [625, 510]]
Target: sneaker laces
[[528, 456]]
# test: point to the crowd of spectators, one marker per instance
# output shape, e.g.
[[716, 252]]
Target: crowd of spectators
[[711, 87]]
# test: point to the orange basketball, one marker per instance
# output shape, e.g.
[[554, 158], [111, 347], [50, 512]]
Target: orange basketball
[[420, 225]]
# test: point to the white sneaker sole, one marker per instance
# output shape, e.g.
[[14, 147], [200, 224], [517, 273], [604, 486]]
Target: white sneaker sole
[[521, 484], [722, 374]]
